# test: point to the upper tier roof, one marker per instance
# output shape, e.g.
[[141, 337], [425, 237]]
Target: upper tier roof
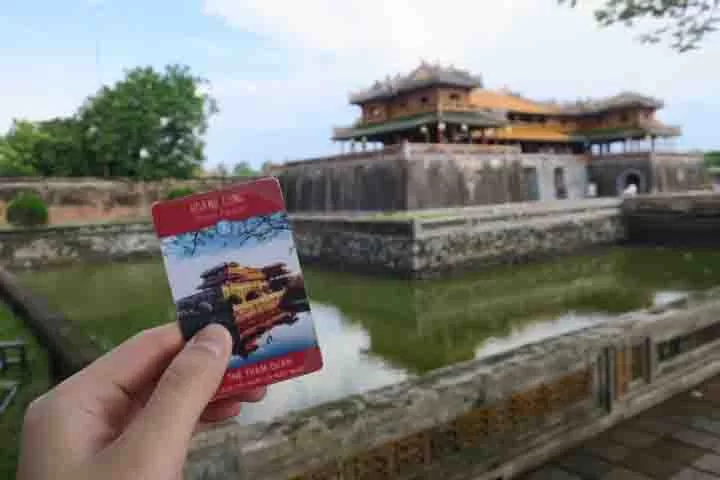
[[503, 100], [622, 100], [425, 75]]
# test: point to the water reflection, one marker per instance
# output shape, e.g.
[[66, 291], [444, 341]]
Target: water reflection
[[665, 298], [347, 370], [535, 332], [375, 331]]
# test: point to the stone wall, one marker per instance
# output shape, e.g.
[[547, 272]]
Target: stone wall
[[609, 173], [60, 245], [445, 176], [423, 243], [674, 219], [679, 172], [459, 239], [484, 419], [448, 241], [83, 200], [374, 180], [655, 172], [414, 176], [514, 241], [417, 176]]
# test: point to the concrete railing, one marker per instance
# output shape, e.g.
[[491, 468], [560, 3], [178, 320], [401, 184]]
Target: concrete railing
[[484, 419], [68, 348], [469, 217], [674, 219], [461, 148]]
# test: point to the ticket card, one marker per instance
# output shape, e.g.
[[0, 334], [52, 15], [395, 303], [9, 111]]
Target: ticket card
[[230, 259]]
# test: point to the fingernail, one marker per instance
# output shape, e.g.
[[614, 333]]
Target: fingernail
[[213, 338]]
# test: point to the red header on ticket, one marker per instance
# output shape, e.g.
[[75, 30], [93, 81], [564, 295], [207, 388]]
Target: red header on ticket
[[236, 202]]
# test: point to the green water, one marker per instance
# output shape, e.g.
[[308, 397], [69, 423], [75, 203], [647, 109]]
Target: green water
[[377, 331]]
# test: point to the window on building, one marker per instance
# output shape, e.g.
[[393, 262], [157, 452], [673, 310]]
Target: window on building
[[454, 97], [624, 117], [531, 183], [424, 100], [560, 186]]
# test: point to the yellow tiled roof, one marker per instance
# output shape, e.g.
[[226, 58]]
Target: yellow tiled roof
[[530, 132], [505, 101]]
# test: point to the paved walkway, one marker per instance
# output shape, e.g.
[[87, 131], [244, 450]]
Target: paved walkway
[[678, 440]]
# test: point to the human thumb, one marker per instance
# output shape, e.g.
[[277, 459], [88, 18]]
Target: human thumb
[[180, 397]]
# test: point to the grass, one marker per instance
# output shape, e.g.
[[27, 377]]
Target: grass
[[34, 383], [109, 302], [115, 221], [411, 215]]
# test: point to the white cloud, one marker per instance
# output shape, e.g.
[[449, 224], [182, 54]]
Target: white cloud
[[538, 48], [281, 100], [537, 45]]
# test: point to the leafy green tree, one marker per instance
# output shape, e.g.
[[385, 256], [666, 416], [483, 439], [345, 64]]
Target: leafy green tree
[[149, 125], [50, 148], [179, 193], [683, 23], [16, 150], [712, 159], [22, 140], [243, 169], [27, 209]]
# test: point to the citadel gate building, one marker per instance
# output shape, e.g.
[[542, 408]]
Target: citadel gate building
[[449, 141]]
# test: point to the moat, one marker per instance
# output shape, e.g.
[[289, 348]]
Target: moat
[[374, 332]]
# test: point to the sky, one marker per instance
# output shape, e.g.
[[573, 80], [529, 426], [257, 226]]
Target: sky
[[281, 70], [184, 271]]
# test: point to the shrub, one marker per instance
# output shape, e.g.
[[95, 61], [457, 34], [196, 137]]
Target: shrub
[[179, 192], [27, 210]]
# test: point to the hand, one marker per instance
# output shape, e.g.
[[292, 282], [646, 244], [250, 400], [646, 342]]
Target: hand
[[131, 413]]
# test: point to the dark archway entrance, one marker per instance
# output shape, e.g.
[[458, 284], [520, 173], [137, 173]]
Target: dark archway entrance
[[631, 177]]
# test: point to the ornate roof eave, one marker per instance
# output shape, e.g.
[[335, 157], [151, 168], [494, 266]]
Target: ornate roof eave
[[633, 132], [617, 102], [422, 77], [474, 118]]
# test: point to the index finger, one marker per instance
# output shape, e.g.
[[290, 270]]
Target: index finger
[[132, 365]]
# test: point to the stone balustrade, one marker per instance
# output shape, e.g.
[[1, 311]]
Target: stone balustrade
[[484, 419]]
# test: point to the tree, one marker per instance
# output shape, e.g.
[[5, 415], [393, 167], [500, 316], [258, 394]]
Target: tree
[[17, 150], [221, 170], [233, 234], [683, 23], [50, 148], [243, 169], [712, 159], [149, 125], [60, 148]]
